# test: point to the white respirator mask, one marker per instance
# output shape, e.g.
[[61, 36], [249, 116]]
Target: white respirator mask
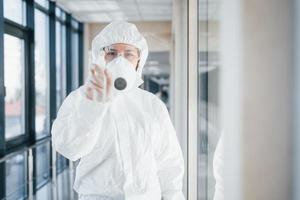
[[124, 76]]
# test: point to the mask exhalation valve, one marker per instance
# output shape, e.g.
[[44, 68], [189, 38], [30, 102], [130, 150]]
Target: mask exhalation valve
[[120, 83]]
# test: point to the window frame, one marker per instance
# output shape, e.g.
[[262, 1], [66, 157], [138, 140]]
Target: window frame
[[24, 22], [50, 78], [16, 30], [26, 143]]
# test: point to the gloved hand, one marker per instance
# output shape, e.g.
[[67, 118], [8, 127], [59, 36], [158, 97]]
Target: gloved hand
[[99, 84]]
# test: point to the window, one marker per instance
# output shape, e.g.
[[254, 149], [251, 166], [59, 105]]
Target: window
[[42, 164], [41, 74], [27, 172], [75, 60], [74, 24], [44, 193], [43, 3], [16, 177], [208, 107], [15, 10], [58, 12], [63, 184], [61, 163], [14, 84], [60, 63]]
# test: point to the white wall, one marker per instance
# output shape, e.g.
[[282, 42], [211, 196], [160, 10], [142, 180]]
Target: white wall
[[257, 92]]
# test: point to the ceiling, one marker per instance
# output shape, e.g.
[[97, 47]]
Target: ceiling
[[93, 11]]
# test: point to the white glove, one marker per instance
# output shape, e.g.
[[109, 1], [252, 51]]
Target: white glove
[[99, 84]]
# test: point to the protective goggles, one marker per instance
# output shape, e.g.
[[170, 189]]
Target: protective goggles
[[130, 54]]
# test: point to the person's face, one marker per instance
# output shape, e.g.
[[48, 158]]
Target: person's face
[[127, 51]]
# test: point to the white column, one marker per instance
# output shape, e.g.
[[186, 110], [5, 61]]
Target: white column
[[296, 110], [192, 99], [178, 77], [230, 96]]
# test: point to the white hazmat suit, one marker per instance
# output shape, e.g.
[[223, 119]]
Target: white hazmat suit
[[128, 148]]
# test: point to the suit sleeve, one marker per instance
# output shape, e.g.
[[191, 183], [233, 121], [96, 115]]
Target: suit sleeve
[[76, 128]]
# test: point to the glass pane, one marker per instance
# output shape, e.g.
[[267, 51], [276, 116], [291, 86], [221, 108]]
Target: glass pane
[[64, 57], [42, 164], [61, 163], [16, 177], [44, 3], [14, 84], [60, 64], [63, 185], [41, 74], [58, 12], [74, 24], [44, 193], [208, 107], [63, 16], [75, 60], [15, 11]]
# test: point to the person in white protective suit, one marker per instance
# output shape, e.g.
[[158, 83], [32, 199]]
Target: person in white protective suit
[[123, 135]]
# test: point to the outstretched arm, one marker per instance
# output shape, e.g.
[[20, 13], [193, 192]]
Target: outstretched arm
[[76, 129]]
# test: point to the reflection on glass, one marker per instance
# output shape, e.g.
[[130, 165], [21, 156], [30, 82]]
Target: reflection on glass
[[41, 74], [15, 11], [60, 63], [61, 163], [14, 84], [208, 78], [44, 193], [63, 185], [16, 177], [42, 164], [75, 60]]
